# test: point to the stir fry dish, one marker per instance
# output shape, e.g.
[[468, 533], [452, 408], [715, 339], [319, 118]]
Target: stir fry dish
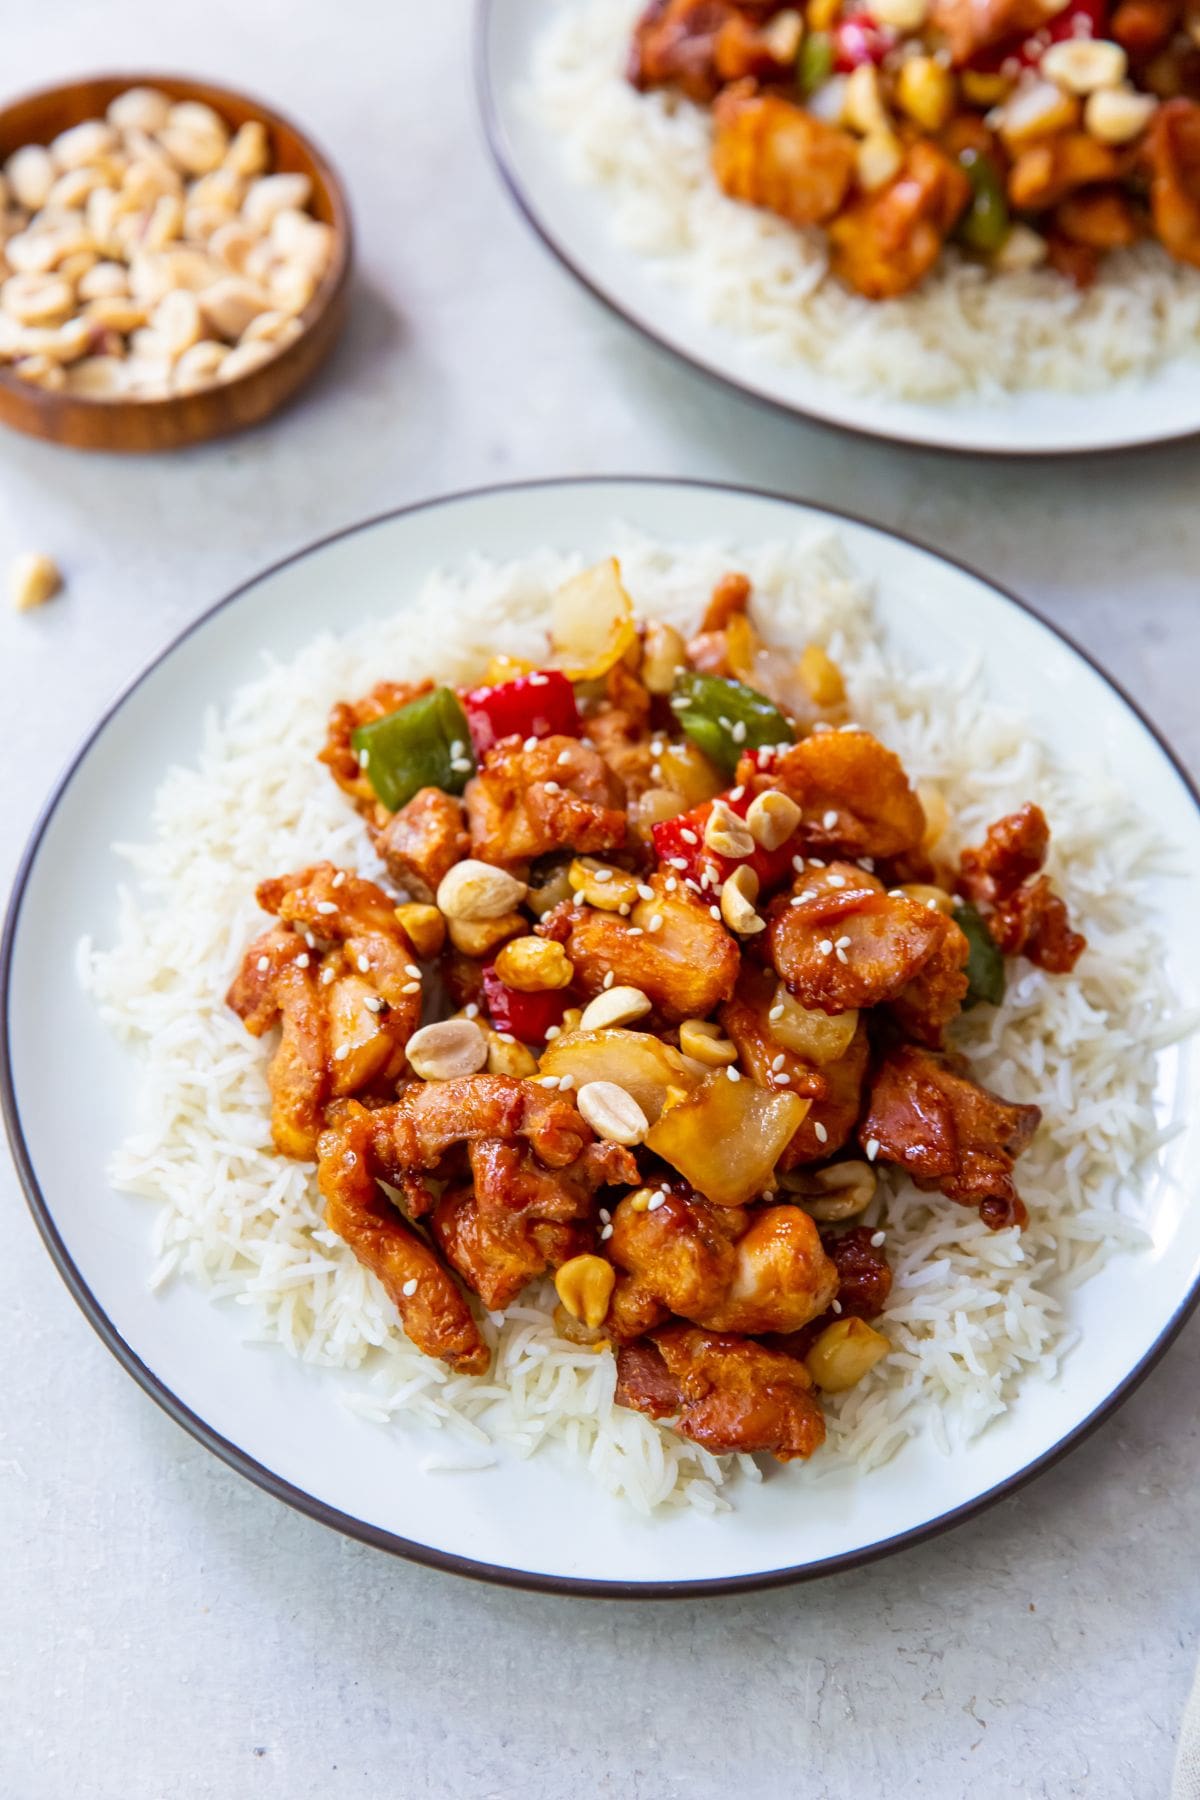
[[1023, 131], [663, 972]]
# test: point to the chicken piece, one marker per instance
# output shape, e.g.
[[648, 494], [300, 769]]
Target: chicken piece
[[345, 1011], [1045, 173], [729, 598], [685, 964], [1144, 27], [1100, 218], [620, 731], [864, 1281], [974, 25], [841, 942], [519, 1219], [884, 243], [730, 1393], [556, 795], [835, 1089], [726, 1268], [423, 841], [1014, 849], [697, 45], [1034, 923], [708, 654], [1173, 150], [1025, 917], [926, 1115], [853, 793], [773, 154], [432, 1308], [345, 718]]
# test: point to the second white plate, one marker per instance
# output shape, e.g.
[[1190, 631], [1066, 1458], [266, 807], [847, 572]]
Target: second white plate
[[575, 222]]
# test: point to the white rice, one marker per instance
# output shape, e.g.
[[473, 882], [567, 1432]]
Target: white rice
[[973, 1313], [963, 332]]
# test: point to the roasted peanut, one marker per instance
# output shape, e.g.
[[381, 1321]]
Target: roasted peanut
[[505, 1058], [612, 1113], [925, 894], [534, 965], [772, 818], [701, 1039], [726, 833], [839, 1191], [425, 928], [602, 886], [32, 580], [616, 1006], [821, 676], [585, 1285], [452, 1048], [479, 937], [738, 894], [478, 890], [663, 655]]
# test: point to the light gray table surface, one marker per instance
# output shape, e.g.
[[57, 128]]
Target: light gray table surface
[[167, 1632]]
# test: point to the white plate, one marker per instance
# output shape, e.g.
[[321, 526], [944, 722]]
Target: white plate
[[575, 222], [539, 1523]]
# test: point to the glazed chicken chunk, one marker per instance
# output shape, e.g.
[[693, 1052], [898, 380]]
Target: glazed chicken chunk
[[778, 156], [1024, 915], [883, 244], [337, 975], [553, 794], [730, 1393]]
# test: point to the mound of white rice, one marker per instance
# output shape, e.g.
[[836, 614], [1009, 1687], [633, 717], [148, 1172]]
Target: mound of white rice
[[963, 332], [973, 1313]]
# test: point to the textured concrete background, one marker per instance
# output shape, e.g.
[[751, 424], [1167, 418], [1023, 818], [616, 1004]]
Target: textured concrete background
[[169, 1633]]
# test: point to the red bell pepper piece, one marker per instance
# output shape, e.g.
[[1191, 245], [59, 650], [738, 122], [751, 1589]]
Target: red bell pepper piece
[[527, 1016], [859, 39], [694, 861], [538, 705]]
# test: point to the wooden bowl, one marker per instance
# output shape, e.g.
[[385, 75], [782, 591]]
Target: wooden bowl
[[169, 423]]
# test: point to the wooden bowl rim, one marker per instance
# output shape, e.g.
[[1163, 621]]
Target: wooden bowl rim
[[328, 288]]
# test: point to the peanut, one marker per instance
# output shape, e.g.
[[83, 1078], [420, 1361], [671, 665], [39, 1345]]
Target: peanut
[[534, 965], [425, 928], [772, 818], [450, 1049], [612, 1113], [701, 1039], [32, 580], [616, 1006], [478, 890], [585, 1285], [738, 895]]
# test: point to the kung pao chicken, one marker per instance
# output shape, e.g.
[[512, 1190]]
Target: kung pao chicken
[[688, 947], [1026, 131]]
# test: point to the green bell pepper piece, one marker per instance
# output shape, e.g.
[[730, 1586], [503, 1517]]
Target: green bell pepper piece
[[424, 744], [723, 718], [985, 965], [985, 224], [814, 63]]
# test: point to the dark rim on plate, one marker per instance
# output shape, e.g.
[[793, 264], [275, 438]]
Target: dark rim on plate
[[325, 1514], [506, 164]]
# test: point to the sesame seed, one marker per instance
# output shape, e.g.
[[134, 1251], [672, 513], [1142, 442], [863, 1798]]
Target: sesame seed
[[536, 680], [506, 1037], [562, 760], [656, 1200], [609, 979], [587, 743], [932, 905], [877, 1238], [835, 1306], [364, 965], [738, 733], [635, 931], [412, 969], [458, 748], [656, 773], [364, 757], [605, 1215], [895, 893], [777, 1062], [326, 907], [872, 1149], [842, 957], [644, 892], [836, 881], [303, 960], [624, 909], [781, 1079], [410, 1287], [552, 787], [326, 977], [867, 863], [341, 1053], [657, 746], [737, 792], [530, 743], [310, 940], [776, 1012], [677, 862], [373, 1003], [411, 987], [263, 964], [826, 946], [689, 837], [671, 884], [715, 912], [693, 886], [601, 875], [547, 1081], [798, 864], [655, 923], [829, 819], [462, 765], [724, 723], [553, 1031], [733, 1074], [564, 1081], [606, 1233], [817, 862], [822, 725], [843, 943], [338, 879], [850, 725], [471, 1010], [820, 1133], [806, 894]]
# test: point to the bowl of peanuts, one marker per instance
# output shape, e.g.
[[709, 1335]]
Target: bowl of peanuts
[[174, 262]]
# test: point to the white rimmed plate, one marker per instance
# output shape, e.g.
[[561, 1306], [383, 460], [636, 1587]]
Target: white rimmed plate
[[540, 1523], [575, 222]]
